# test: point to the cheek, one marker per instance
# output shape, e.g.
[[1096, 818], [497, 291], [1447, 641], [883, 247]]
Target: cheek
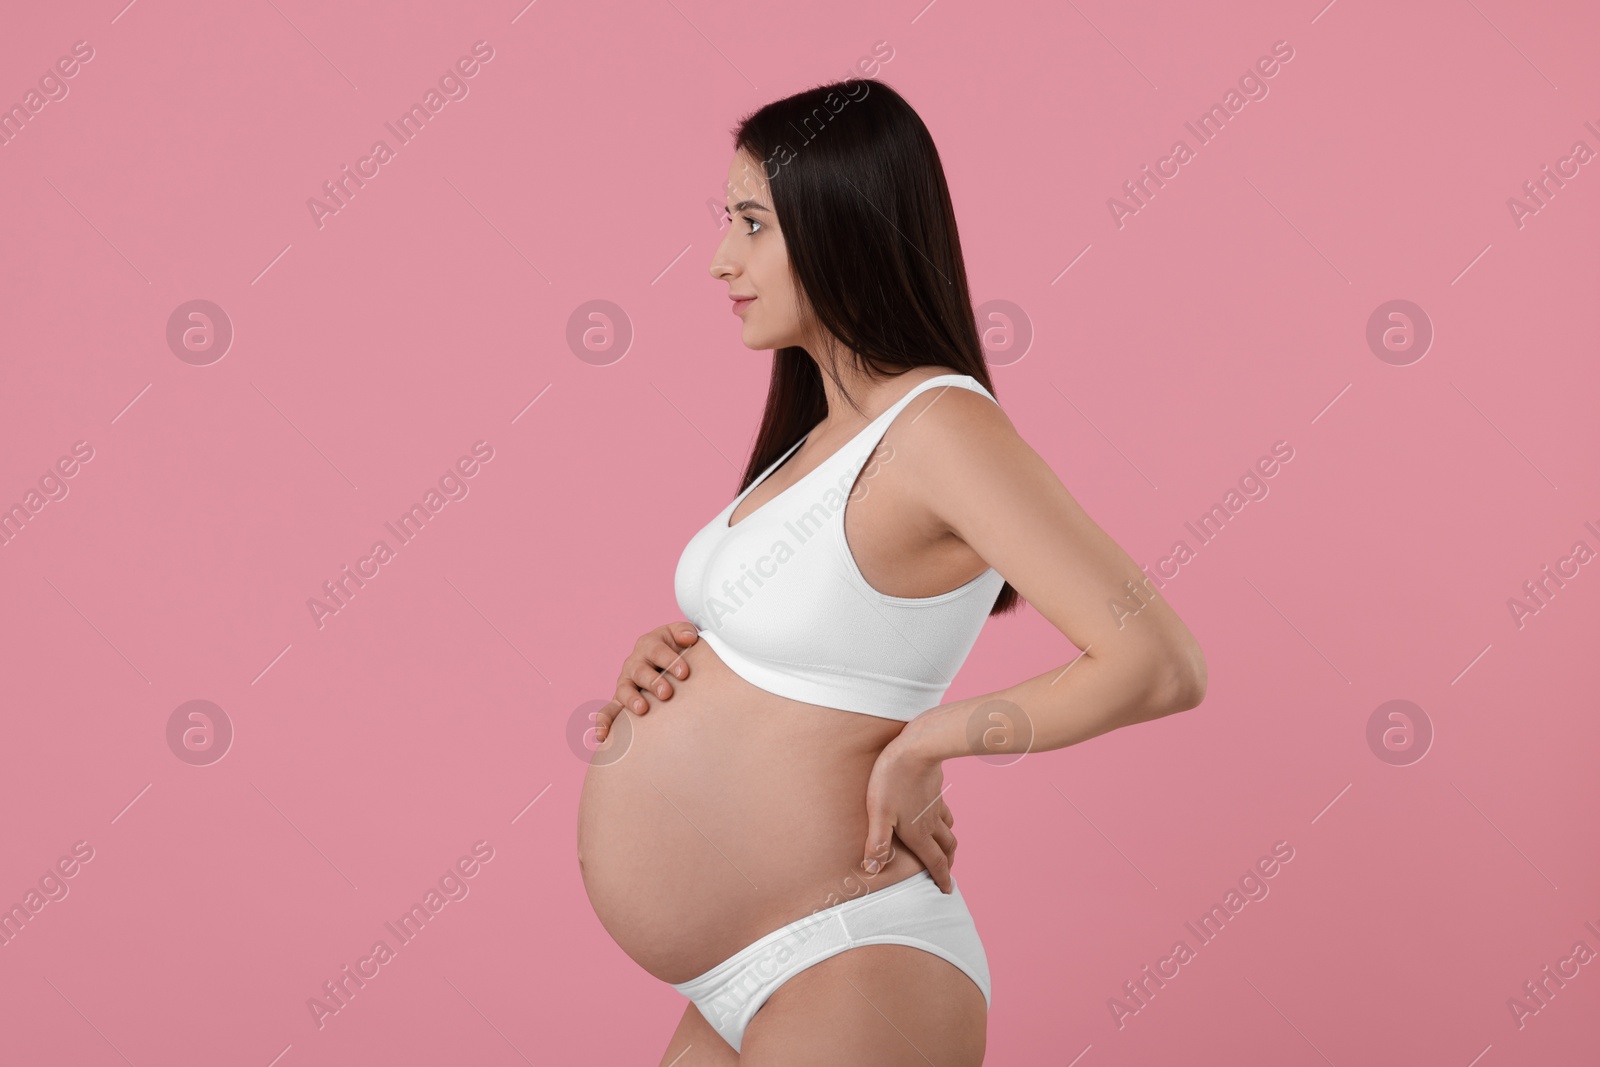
[[773, 281]]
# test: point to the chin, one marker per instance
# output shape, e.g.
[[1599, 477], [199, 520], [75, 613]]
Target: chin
[[758, 340]]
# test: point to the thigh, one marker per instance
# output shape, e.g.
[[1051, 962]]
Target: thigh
[[696, 1044], [883, 1005]]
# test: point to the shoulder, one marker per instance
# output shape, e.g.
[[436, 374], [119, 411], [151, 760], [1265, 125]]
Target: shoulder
[[965, 459], [950, 416]]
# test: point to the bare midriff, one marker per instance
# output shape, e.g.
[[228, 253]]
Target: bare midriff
[[729, 813]]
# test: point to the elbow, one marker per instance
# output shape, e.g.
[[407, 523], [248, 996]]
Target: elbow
[[1185, 673], [1167, 679]]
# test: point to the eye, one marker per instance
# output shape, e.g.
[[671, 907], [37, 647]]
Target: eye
[[746, 218]]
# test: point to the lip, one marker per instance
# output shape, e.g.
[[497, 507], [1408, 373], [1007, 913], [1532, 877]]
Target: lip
[[741, 302]]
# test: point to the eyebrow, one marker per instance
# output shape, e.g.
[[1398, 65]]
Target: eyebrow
[[750, 205]]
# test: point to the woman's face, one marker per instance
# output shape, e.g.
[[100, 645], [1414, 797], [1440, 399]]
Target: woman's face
[[753, 261]]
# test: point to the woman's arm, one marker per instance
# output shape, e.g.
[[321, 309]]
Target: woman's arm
[[970, 474], [1139, 661]]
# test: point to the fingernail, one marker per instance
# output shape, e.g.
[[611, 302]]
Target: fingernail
[[871, 866]]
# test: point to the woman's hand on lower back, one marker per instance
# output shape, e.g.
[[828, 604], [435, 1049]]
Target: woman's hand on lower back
[[655, 655], [905, 798]]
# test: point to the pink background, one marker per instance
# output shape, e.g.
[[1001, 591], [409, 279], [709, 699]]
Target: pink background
[[369, 354]]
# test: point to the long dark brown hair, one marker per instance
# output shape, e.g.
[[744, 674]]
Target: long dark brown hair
[[866, 217]]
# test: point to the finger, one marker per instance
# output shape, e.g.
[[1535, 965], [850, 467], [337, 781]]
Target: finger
[[603, 717], [927, 848], [628, 697], [946, 815], [668, 657], [879, 848], [649, 680], [674, 635]]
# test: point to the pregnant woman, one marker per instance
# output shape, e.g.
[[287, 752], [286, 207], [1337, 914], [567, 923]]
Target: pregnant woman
[[774, 841]]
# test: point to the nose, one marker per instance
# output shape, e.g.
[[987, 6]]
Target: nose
[[723, 267]]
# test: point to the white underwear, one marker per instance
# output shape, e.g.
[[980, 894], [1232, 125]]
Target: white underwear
[[911, 912]]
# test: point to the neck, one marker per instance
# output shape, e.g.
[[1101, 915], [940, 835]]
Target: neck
[[873, 396]]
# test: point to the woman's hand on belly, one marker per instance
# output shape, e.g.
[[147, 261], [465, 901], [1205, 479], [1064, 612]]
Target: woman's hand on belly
[[724, 819], [905, 799], [660, 650]]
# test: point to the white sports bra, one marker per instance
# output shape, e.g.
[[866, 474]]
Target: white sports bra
[[780, 599]]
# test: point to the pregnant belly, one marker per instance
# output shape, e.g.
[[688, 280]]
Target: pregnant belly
[[725, 813]]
